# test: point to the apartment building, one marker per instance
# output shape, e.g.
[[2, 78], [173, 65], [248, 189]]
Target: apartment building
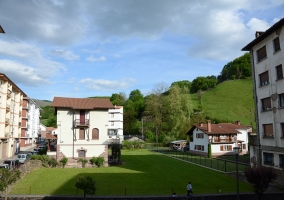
[[11, 98], [267, 60], [30, 122]]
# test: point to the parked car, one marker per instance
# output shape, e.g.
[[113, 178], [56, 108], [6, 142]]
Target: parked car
[[22, 158], [13, 163], [6, 166], [186, 148]]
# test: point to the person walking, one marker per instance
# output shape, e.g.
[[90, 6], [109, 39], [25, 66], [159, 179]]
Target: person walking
[[189, 189]]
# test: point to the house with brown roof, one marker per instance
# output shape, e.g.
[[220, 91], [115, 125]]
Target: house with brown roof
[[83, 127], [223, 137]]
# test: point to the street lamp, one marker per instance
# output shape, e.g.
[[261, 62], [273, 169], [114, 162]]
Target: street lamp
[[1, 30], [236, 151]]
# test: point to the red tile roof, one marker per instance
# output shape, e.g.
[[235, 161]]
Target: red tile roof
[[222, 128], [81, 103]]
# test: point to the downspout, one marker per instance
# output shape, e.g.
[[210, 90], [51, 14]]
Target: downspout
[[259, 156]]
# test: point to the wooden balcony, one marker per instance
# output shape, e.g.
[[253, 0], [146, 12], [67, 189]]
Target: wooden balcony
[[219, 140], [78, 122]]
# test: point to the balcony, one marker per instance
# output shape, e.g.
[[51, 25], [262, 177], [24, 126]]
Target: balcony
[[26, 107], [8, 108], [7, 121], [9, 94], [7, 135], [78, 122], [20, 113], [222, 140]]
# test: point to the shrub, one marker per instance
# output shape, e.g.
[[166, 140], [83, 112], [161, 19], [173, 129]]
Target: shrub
[[100, 161], [52, 162], [64, 161], [93, 160], [83, 161], [43, 158], [87, 184]]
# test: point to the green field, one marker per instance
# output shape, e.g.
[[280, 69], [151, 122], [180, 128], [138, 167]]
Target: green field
[[143, 173], [229, 101]]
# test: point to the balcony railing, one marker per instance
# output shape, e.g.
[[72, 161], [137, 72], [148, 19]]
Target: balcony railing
[[7, 120], [9, 94], [7, 134], [20, 113], [218, 140], [7, 107], [78, 122]]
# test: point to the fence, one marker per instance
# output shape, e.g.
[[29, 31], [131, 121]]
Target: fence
[[222, 164]]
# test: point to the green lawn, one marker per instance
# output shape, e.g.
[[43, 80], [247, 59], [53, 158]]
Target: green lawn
[[143, 173]]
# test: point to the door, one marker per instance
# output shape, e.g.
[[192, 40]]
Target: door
[[82, 117]]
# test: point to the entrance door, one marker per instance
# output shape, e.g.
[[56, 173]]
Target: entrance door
[[82, 117]]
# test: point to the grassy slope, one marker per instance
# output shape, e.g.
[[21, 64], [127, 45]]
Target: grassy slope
[[143, 173], [229, 101]]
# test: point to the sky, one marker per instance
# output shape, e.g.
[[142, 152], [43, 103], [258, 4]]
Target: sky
[[84, 48]]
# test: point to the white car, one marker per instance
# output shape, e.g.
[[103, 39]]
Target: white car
[[22, 157]]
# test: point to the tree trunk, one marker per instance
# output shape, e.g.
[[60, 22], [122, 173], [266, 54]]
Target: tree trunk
[[6, 193]]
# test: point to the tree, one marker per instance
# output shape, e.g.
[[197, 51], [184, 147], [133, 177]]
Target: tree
[[203, 83], [52, 122], [64, 161], [183, 84], [118, 99], [83, 161], [260, 177], [7, 178], [138, 102], [87, 184]]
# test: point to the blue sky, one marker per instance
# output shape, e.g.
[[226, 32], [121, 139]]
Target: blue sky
[[84, 48]]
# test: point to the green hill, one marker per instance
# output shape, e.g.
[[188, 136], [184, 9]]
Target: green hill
[[228, 102], [42, 103]]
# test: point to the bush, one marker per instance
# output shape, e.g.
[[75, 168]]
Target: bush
[[136, 144], [100, 161], [43, 158], [93, 160], [64, 161], [83, 161], [52, 162]]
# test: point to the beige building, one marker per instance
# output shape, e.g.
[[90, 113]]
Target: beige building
[[267, 59], [85, 127], [11, 98]]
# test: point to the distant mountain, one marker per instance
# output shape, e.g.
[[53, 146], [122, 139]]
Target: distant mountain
[[42, 103]]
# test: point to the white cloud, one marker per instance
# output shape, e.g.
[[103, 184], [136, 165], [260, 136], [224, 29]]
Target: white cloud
[[258, 25], [66, 54], [30, 56], [102, 84], [22, 74], [93, 59]]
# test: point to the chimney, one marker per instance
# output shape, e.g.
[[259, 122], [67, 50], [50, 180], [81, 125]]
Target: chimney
[[258, 33], [208, 125], [201, 124], [238, 122]]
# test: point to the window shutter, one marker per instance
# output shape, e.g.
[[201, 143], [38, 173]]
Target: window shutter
[[276, 44], [230, 147], [261, 53], [82, 134], [221, 148], [95, 134]]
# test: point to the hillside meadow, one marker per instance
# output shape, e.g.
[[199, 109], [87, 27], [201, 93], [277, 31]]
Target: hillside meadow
[[143, 173], [230, 101]]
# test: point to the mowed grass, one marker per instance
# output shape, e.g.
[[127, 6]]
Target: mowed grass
[[229, 101], [143, 173]]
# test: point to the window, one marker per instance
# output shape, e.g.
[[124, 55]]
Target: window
[[112, 115], [226, 148], [263, 78], [112, 123], [276, 44], [261, 53], [82, 134], [81, 153], [244, 146], [281, 160], [95, 134], [199, 147], [267, 130], [279, 72], [199, 135], [266, 104], [112, 132], [282, 129], [268, 158], [281, 100]]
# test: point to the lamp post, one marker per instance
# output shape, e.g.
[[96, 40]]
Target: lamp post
[[237, 150]]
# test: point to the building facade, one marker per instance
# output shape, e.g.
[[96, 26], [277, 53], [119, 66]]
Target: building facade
[[222, 137], [30, 122], [11, 98], [85, 127], [267, 60]]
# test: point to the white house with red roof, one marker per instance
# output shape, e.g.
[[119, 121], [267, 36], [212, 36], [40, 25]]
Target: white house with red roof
[[85, 127], [223, 137]]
